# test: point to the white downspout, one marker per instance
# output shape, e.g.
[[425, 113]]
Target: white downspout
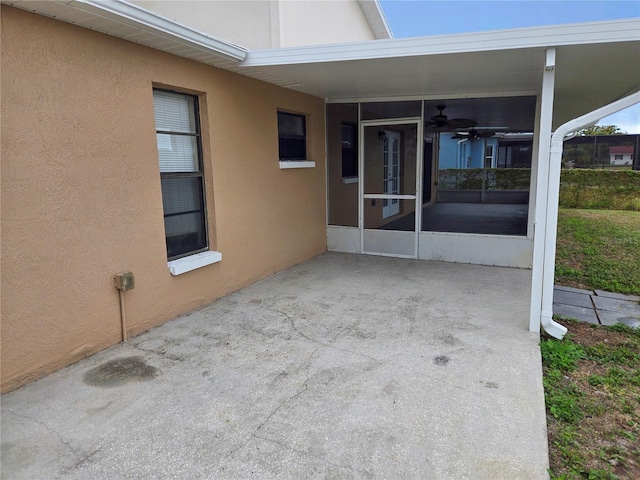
[[553, 192], [541, 196]]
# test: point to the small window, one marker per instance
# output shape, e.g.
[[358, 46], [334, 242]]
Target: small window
[[618, 157], [488, 156], [181, 177], [349, 151], [292, 137]]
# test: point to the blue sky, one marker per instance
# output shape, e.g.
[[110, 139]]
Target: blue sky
[[416, 18]]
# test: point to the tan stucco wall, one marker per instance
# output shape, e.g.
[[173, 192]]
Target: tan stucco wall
[[81, 198]]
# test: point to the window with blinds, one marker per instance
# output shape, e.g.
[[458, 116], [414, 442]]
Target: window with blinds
[[180, 158]]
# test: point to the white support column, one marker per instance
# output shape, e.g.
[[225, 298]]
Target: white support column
[[555, 160], [544, 128]]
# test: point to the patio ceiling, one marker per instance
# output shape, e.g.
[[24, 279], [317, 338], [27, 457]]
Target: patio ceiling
[[596, 64]]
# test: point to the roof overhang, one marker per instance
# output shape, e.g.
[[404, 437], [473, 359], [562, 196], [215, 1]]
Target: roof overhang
[[135, 24], [374, 15], [596, 63]]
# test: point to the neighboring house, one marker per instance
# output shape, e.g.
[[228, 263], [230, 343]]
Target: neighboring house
[[504, 150], [467, 152], [600, 151], [132, 142], [621, 155]]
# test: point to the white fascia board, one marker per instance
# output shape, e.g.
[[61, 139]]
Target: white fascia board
[[126, 13], [374, 15], [536, 37]]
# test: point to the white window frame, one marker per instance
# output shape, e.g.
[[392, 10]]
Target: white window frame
[[189, 260]]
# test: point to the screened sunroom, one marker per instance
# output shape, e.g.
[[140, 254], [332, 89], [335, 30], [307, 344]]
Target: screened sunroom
[[445, 179]]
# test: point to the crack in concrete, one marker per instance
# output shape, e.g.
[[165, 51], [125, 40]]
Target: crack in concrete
[[81, 461], [313, 340], [304, 388], [40, 422], [287, 401]]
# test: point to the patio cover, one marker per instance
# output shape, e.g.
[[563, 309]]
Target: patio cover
[[596, 63]]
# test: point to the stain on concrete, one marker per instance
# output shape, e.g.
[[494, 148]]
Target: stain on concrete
[[441, 360], [490, 384], [120, 371], [449, 339]]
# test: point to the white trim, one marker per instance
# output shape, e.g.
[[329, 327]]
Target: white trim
[[476, 249], [302, 164], [348, 180], [193, 262], [130, 20], [440, 96], [389, 196], [536, 37], [343, 239], [390, 121], [374, 15], [392, 255]]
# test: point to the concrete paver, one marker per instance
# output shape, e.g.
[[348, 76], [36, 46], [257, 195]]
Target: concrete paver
[[580, 313], [572, 298], [615, 305], [609, 318], [619, 296], [345, 366], [597, 306], [563, 288]]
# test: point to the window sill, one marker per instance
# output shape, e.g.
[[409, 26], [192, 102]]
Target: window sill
[[193, 262], [301, 164], [347, 180]]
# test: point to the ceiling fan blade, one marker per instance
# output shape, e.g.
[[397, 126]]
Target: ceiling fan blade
[[462, 123], [485, 134], [435, 128]]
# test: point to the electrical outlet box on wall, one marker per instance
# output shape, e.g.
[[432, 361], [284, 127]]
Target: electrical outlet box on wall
[[125, 281]]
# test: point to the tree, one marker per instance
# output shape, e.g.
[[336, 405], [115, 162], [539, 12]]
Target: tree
[[601, 130]]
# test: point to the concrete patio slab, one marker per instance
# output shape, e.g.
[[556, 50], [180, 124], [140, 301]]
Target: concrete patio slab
[[344, 366]]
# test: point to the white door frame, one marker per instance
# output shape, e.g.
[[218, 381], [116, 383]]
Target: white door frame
[[391, 164], [417, 197]]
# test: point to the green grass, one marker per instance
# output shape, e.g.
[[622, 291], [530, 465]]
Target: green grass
[[599, 249], [592, 392]]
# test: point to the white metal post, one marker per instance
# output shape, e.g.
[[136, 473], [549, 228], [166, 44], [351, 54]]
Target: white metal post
[[544, 128]]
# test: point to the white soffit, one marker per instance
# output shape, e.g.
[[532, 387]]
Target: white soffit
[[596, 63], [130, 22], [374, 15]]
